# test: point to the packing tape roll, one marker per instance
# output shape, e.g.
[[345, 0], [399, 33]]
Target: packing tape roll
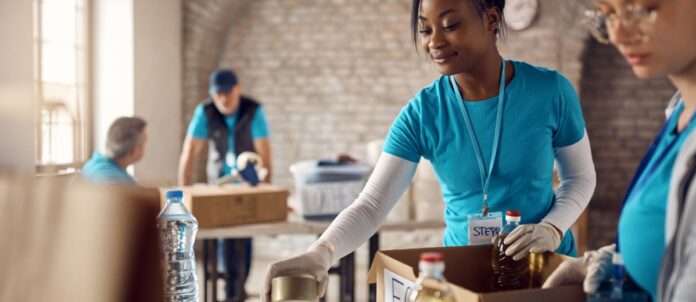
[[247, 157]]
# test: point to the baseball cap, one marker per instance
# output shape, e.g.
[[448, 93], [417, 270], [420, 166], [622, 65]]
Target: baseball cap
[[222, 80]]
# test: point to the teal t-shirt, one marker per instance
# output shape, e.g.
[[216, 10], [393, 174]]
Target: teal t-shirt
[[101, 169], [198, 128], [642, 221], [541, 112]]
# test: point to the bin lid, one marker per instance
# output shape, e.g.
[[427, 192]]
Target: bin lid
[[312, 166]]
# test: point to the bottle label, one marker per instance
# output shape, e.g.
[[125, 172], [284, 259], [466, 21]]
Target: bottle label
[[482, 228]]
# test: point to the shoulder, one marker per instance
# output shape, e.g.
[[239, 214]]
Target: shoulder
[[538, 75], [687, 151], [100, 168], [533, 71], [203, 108], [430, 96], [249, 101]]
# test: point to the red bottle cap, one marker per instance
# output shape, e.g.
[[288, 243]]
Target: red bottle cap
[[431, 257], [513, 213]]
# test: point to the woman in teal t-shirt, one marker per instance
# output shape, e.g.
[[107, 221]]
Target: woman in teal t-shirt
[[492, 130], [656, 39]]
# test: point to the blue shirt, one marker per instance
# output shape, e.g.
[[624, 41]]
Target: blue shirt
[[541, 112], [642, 221], [198, 128], [102, 169]]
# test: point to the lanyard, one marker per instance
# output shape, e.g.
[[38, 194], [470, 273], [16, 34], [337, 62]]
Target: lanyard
[[485, 177], [639, 180]]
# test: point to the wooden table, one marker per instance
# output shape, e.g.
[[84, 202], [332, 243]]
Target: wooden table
[[296, 226]]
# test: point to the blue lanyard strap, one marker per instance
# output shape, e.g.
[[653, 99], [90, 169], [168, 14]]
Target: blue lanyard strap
[[485, 177]]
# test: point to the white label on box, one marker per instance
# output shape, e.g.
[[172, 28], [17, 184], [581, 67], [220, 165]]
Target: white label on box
[[396, 288], [328, 198]]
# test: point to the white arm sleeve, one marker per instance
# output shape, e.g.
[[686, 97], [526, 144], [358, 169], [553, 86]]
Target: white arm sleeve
[[354, 225], [577, 183]]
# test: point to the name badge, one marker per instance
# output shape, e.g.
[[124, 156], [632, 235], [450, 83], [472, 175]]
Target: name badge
[[482, 229]]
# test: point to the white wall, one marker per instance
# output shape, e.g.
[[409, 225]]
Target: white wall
[[137, 71], [158, 87], [112, 72], [17, 102]]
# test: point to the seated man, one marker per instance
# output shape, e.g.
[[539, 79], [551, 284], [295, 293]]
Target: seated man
[[125, 145]]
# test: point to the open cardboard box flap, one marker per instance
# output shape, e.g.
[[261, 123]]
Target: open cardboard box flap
[[469, 273]]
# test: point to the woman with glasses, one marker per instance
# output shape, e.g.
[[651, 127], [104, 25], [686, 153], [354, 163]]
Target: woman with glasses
[[657, 38], [492, 129]]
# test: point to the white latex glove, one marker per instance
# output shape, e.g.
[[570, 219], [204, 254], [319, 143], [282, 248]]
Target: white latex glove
[[591, 269], [531, 238], [316, 262]]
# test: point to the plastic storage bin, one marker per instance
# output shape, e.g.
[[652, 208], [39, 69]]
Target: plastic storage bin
[[324, 188]]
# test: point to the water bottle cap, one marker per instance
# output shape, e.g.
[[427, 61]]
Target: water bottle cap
[[513, 216], [175, 194], [431, 263], [431, 257]]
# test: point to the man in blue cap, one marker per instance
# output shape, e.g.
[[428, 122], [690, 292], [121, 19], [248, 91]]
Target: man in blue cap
[[230, 124]]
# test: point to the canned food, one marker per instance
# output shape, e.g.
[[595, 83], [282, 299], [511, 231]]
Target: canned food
[[294, 289]]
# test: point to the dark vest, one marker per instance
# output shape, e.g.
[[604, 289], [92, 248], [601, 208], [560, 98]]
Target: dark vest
[[218, 133]]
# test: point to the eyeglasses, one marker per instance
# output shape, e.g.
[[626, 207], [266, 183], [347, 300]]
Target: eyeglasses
[[637, 21]]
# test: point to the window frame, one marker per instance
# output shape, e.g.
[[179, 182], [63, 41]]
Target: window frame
[[82, 122]]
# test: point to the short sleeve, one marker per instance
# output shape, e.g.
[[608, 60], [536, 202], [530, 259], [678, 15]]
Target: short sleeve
[[404, 138], [198, 127], [259, 125], [571, 124]]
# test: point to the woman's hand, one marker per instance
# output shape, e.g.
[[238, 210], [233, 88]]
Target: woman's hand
[[532, 238], [315, 262]]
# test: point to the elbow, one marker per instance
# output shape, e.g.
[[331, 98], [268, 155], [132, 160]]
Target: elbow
[[591, 182]]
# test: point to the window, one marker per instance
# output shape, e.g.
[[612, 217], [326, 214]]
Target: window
[[60, 44]]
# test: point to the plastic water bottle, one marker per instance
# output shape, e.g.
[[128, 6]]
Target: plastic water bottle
[[617, 281], [177, 230]]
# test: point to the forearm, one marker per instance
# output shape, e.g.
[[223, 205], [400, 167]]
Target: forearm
[[577, 183], [185, 170], [269, 168], [390, 178], [263, 148]]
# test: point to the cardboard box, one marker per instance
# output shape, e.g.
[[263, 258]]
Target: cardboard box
[[229, 205], [469, 273]]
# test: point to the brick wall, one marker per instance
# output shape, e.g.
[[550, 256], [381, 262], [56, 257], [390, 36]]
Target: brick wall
[[331, 74], [205, 27]]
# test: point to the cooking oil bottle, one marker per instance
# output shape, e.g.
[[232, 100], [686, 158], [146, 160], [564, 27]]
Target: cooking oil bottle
[[508, 274], [431, 285]]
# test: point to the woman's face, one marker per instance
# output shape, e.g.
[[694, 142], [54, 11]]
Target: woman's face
[[670, 46], [454, 35]]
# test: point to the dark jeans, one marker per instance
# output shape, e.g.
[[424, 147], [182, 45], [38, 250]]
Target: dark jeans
[[236, 259]]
